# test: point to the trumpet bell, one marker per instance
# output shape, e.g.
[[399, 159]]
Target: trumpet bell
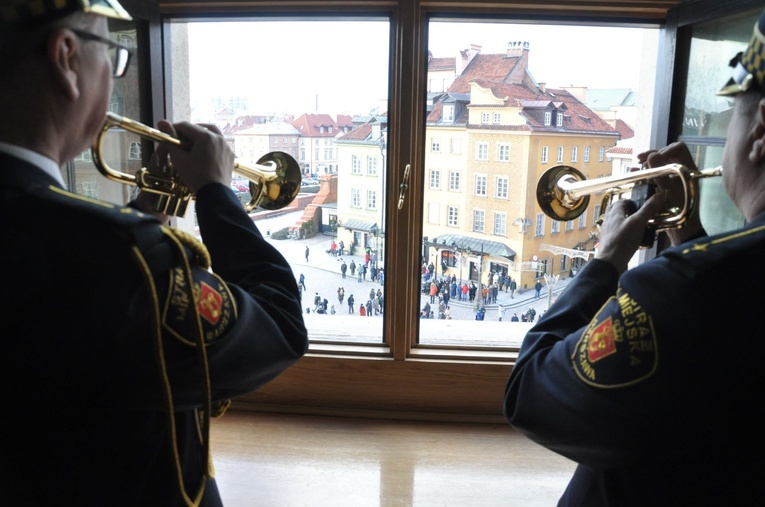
[[280, 191], [554, 200], [563, 191], [274, 181]]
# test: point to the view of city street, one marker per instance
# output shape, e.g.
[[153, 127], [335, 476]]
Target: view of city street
[[323, 276]]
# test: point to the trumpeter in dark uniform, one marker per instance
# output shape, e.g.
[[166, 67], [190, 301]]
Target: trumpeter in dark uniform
[[121, 335], [645, 377]]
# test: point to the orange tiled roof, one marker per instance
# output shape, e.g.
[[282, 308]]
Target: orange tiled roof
[[310, 125], [436, 64], [620, 150], [624, 130], [496, 68]]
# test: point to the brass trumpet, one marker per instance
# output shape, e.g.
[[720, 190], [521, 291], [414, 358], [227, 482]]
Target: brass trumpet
[[563, 193], [274, 180]]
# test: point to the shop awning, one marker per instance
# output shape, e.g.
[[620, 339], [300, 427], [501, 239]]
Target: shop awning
[[354, 224], [492, 248]]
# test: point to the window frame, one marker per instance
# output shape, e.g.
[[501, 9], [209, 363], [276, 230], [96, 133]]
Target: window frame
[[401, 379], [503, 152], [502, 190], [435, 179], [481, 185], [482, 150]]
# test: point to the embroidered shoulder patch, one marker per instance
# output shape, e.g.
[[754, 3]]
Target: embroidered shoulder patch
[[619, 347], [214, 303]]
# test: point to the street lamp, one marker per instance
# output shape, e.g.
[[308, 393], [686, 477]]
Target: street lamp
[[383, 144], [550, 280], [374, 230], [469, 252], [459, 258]]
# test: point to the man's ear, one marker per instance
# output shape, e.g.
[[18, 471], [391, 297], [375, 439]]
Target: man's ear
[[62, 51]]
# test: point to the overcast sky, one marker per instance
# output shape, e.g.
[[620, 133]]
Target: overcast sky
[[336, 67]]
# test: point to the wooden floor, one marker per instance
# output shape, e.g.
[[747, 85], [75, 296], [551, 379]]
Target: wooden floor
[[269, 460]]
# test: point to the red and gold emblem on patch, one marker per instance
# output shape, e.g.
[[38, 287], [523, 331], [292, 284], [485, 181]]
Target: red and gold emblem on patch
[[619, 347], [206, 301], [601, 341], [210, 303]]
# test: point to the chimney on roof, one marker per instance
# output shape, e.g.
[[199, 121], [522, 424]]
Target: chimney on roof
[[515, 49], [542, 87], [466, 56]]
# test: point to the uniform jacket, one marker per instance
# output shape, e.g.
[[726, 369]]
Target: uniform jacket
[[652, 382], [100, 335]]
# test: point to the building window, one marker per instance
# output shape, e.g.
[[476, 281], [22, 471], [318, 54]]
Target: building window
[[497, 117], [134, 152], [434, 215], [559, 119], [560, 154], [595, 214], [448, 115], [455, 146], [454, 180], [539, 226], [479, 221], [435, 179], [503, 184], [484, 118], [583, 220], [503, 152], [435, 145], [574, 153], [454, 216], [480, 185], [602, 154], [548, 118], [355, 198], [355, 164], [371, 199], [372, 165], [87, 156], [555, 227], [500, 224], [586, 154], [545, 151], [482, 151], [569, 225]]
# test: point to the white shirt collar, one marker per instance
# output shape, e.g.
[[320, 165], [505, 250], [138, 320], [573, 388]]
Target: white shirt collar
[[46, 164]]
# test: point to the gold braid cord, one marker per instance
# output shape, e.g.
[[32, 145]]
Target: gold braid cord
[[192, 243], [205, 261], [183, 240]]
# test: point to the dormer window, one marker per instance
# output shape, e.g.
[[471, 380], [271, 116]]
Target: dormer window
[[329, 129], [548, 118], [449, 113], [321, 129], [559, 119]]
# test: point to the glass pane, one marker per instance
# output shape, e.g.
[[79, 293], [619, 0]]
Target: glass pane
[[324, 103], [706, 115], [713, 44], [507, 102], [122, 152]]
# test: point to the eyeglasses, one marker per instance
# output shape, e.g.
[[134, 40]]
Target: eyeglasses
[[120, 55]]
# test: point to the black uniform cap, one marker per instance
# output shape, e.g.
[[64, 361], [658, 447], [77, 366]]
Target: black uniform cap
[[749, 65], [33, 13]]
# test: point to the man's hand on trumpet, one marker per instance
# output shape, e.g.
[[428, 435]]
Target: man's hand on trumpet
[[673, 187], [623, 227], [204, 156]]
